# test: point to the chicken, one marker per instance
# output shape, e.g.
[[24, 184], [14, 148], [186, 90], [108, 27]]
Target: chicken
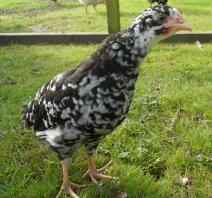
[[50, 1], [81, 106], [87, 3], [91, 2]]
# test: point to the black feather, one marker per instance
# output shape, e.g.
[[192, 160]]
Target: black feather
[[158, 1]]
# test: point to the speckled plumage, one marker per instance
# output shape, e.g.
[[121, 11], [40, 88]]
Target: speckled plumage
[[158, 1], [81, 106]]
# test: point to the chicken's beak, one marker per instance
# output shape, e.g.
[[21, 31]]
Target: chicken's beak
[[178, 24]]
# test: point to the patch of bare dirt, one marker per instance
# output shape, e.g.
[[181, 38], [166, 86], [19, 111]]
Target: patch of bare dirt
[[38, 28]]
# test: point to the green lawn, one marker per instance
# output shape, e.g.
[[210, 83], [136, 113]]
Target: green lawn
[[166, 136], [69, 15]]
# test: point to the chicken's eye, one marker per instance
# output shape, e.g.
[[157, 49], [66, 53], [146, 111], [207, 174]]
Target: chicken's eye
[[161, 17]]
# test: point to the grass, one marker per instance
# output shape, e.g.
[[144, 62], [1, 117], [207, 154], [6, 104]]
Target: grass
[[165, 137], [69, 15]]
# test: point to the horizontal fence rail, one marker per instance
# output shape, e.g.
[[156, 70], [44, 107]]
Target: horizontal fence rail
[[87, 37]]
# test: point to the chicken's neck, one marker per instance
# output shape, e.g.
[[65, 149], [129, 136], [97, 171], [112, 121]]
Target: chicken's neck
[[130, 48]]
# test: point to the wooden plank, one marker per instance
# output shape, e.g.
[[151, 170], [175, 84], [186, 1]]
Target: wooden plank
[[190, 37], [113, 16], [51, 38], [66, 38]]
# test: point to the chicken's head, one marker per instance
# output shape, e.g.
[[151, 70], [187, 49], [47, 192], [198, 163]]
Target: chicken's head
[[160, 21]]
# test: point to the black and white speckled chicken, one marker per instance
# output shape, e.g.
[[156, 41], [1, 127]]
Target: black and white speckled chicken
[[81, 106]]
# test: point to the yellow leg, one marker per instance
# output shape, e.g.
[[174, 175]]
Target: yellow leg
[[95, 173], [86, 9], [67, 187], [94, 6]]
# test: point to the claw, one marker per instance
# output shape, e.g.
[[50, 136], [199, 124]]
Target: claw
[[95, 174], [67, 188], [106, 166]]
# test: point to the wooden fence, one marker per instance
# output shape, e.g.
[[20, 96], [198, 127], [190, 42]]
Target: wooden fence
[[66, 38]]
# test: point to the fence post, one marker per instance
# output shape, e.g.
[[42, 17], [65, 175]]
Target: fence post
[[113, 16]]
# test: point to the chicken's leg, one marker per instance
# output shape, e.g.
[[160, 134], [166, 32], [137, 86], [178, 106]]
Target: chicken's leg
[[86, 9], [67, 187], [95, 173], [94, 6]]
